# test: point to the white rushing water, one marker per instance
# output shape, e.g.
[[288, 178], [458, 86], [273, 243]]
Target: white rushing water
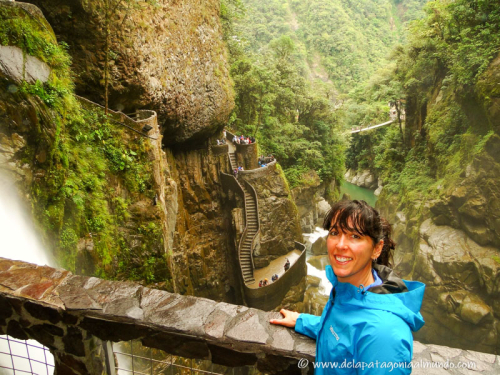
[[19, 239], [325, 286], [20, 242]]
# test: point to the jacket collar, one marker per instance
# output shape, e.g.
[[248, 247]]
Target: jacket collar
[[390, 282]]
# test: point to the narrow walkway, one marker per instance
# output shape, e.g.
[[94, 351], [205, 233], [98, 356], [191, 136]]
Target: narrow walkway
[[275, 267], [371, 127]]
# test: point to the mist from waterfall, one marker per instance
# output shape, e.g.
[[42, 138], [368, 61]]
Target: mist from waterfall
[[17, 231], [20, 242]]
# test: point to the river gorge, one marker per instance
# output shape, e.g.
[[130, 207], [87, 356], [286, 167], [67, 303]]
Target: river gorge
[[118, 154]]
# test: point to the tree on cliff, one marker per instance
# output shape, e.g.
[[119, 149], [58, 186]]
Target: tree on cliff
[[112, 14]]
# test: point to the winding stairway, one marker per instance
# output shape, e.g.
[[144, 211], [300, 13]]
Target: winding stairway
[[251, 227]]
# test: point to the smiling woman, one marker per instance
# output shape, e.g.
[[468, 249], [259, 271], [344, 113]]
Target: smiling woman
[[369, 317]]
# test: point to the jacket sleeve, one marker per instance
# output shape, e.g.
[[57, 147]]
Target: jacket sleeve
[[308, 325], [386, 349]]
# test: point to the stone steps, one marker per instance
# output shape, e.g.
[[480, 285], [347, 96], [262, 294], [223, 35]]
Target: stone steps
[[251, 217]]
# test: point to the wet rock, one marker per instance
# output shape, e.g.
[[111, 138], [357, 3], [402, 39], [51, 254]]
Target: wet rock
[[310, 202], [473, 309], [319, 262], [313, 281], [319, 246]]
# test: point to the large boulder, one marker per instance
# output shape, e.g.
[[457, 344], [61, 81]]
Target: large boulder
[[319, 246], [165, 55], [310, 201]]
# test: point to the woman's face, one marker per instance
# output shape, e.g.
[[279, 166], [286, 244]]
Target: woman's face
[[351, 256]]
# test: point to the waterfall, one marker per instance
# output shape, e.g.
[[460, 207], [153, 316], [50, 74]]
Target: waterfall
[[21, 242], [19, 238]]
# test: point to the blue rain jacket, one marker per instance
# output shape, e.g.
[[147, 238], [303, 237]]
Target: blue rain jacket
[[366, 332]]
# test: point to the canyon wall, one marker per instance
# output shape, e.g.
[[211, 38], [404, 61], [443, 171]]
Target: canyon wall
[[450, 240]]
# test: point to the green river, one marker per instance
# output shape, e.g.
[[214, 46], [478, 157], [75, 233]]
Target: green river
[[359, 193]]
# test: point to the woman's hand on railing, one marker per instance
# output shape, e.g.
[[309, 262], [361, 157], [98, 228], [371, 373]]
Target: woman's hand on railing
[[289, 318]]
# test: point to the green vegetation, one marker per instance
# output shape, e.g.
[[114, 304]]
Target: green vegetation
[[275, 101], [300, 70], [352, 38], [88, 171], [436, 75]]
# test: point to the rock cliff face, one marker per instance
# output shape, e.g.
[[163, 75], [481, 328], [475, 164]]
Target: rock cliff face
[[204, 256], [451, 243], [474, 205], [311, 203], [462, 277], [365, 179], [279, 221], [165, 55]]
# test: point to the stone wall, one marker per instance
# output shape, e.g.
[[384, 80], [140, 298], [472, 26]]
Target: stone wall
[[220, 149], [72, 315], [271, 296], [269, 169], [60, 309], [247, 156]]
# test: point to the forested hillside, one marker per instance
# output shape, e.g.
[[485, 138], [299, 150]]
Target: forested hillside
[[440, 77], [293, 63]]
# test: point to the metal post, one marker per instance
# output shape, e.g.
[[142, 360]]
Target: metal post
[[28, 352], [132, 355], [109, 358], [11, 357], [45, 356], [151, 360]]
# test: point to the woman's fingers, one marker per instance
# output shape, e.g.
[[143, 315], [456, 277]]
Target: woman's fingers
[[289, 318]]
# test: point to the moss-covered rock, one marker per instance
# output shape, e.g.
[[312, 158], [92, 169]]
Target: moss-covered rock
[[89, 179]]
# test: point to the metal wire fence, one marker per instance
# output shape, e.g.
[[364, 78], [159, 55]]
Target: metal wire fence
[[132, 358], [31, 357], [24, 357]]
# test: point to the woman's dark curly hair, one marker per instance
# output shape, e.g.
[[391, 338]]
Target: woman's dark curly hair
[[359, 217]]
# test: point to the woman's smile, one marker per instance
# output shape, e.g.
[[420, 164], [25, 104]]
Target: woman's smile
[[342, 260]]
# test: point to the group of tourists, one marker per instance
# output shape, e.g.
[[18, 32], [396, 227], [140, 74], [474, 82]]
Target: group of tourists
[[265, 160], [236, 170], [265, 282], [242, 140]]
